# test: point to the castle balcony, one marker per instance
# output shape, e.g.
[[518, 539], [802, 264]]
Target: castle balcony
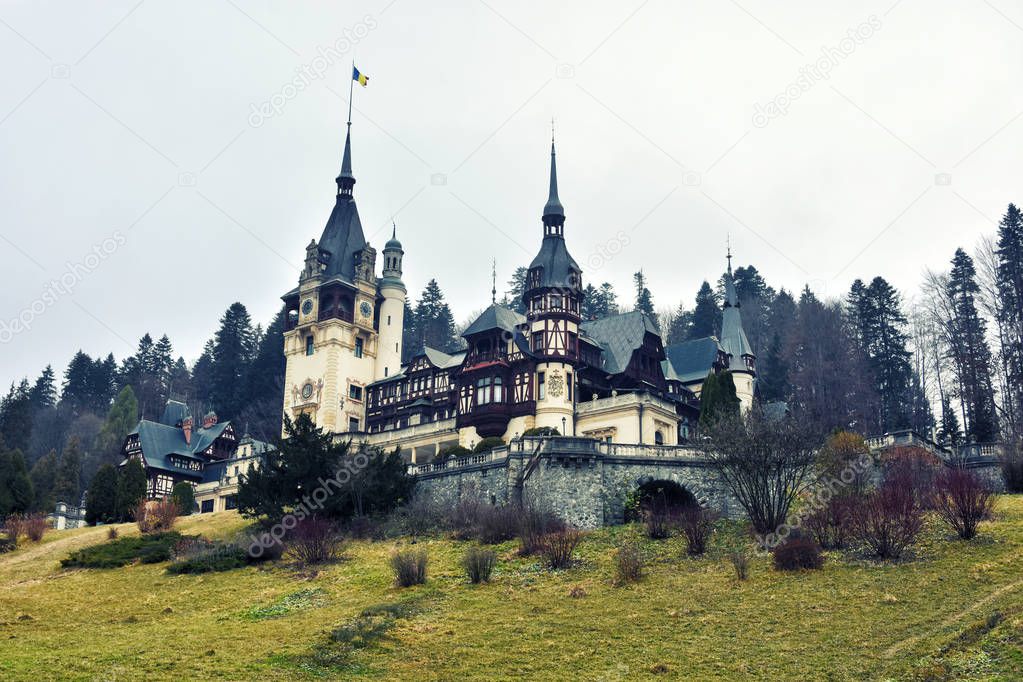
[[485, 359]]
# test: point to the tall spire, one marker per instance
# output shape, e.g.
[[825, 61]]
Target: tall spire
[[553, 212], [345, 180], [493, 281], [731, 298], [728, 250]]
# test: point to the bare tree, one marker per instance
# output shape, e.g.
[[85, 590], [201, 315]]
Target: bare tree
[[765, 463]]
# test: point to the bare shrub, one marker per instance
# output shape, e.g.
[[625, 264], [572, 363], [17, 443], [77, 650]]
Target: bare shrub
[[1012, 464], [962, 501], [112, 533], [557, 548], [479, 564], [314, 540], [534, 524], [629, 563], [796, 553], [420, 517], [156, 517], [697, 524], [913, 468], [740, 559], [888, 520], [409, 567], [496, 524], [831, 524], [14, 524], [658, 522], [464, 516], [36, 526]]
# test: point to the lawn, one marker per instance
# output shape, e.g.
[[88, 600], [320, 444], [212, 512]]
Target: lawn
[[954, 612]]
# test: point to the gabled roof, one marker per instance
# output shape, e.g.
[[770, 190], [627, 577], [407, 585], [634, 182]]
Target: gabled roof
[[619, 336], [496, 316], [160, 441], [691, 361], [442, 360], [173, 413]]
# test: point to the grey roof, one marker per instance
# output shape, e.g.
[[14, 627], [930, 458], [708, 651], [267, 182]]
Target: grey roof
[[346, 159], [559, 268], [553, 206], [442, 360], [173, 412], [159, 441], [691, 361], [496, 316], [733, 336], [393, 242], [619, 336], [342, 238]]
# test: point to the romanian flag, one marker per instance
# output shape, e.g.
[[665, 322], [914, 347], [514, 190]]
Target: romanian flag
[[362, 78]]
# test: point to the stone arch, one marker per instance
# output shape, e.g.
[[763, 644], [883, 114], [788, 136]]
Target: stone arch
[[659, 492]]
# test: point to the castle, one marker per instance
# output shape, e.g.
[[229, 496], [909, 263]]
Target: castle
[[609, 379]]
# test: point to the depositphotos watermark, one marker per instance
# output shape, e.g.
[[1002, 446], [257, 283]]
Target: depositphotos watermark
[[820, 494], [74, 272], [325, 58], [310, 503], [814, 72]]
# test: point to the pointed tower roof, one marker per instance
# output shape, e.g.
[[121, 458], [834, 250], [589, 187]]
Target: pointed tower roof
[[733, 336], [343, 236], [345, 180], [553, 208]]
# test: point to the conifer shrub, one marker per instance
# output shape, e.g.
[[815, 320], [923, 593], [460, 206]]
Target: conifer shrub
[[962, 501], [183, 495], [629, 563], [797, 553], [487, 444], [453, 451], [479, 564], [409, 567], [557, 548], [151, 548]]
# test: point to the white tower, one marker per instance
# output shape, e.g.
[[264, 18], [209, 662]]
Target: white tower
[[392, 311]]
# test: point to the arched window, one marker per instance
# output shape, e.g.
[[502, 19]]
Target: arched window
[[658, 438]]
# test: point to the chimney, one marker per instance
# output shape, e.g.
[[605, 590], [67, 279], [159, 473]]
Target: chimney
[[186, 426], [209, 420]]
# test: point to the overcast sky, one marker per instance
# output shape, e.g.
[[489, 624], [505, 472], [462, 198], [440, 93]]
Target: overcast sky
[[159, 161]]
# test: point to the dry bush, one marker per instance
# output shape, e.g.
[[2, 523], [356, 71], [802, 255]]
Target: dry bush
[[112, 533], [496, 524], [658, 522], [740, 559], [914, 468], [797, 553], [36, 526], [962, 501], [889, 519], [534, 524], [314, 541], [409, 567], [557, 548], [14, 524], [479, 564], [696, 524], [831, 524], [629, 563], [464, 516], [156, 517]]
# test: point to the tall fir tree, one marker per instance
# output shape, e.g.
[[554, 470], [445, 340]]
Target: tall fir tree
[[67, 483], [16, 493], [434, 323], [706, 314], [233, 351], [516, 287], [971, 355], [44, 392], [44, 477], [599, 302], [101, 499], [262, 413], [644, 300], [202, 376], [681, 321], [131, 489], [16, 416], [120, 420], [1009, 279]]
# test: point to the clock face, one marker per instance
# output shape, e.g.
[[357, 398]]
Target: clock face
[[365, 308], [307, 391], [307, 306]]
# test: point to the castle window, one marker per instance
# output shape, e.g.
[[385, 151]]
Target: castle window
[[537, 341], [353, 423], [483, 391], [388, 320], [309, 345], [355, 392], [658, 438], [541, 389], [358, 347], [568, 385], [498, 390]]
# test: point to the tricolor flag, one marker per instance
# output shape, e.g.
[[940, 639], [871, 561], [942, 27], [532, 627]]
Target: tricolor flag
[[362, 78]]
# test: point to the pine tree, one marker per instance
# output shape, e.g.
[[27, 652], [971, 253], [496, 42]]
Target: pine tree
[[409, 333], [262, 413], [971, 356], [773, 364], [101, 500], [232, 352], [180, 380], [434, 323], [516, 287], [949, 434], [102, 384], [644, 301], [131, 489], [718, 399], [121, 419], [16, 416], [44, 476], [681, 321], [706, 314], [184, 496], [76, 393], [16, 493], [1009, 278], [44, 392], [202, 375], [599, 302], [67, 484]]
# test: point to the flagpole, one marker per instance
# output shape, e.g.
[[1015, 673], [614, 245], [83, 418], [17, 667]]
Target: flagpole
[[351, 87]]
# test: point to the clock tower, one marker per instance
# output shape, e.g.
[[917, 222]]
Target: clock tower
[[340, 320]]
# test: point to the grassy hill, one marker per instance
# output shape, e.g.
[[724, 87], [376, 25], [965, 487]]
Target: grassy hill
[[954, 612]]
